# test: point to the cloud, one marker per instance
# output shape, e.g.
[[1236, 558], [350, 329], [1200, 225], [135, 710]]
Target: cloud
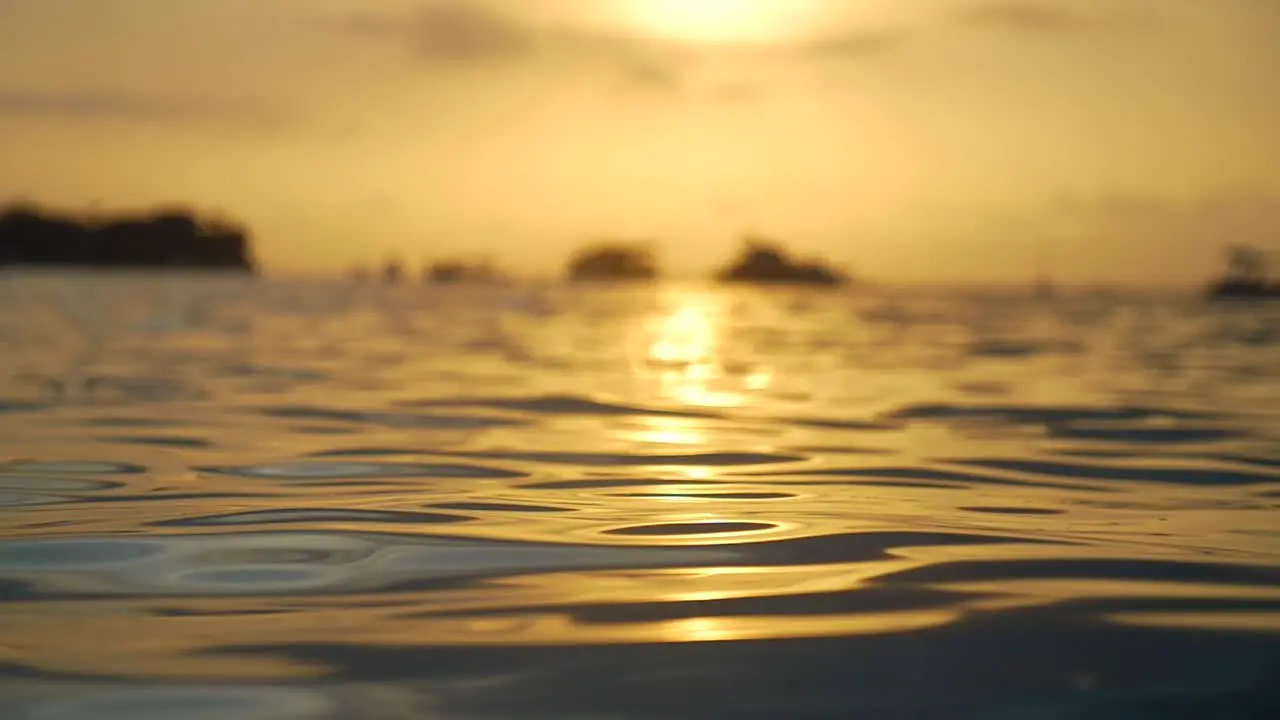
[[1040, 16], [1024, 16], [458, 33], [1245, 215], [124, 105], [453, 31], [858, 45]]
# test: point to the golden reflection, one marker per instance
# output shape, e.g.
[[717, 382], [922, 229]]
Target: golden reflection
[[684, 350]]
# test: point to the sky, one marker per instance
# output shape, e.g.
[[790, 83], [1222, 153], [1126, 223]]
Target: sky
[[1107, 141]]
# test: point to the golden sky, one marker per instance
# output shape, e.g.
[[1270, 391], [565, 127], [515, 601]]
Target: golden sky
[[914, 140]]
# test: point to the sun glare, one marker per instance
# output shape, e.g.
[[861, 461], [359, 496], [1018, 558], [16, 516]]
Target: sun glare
[[720, 20]]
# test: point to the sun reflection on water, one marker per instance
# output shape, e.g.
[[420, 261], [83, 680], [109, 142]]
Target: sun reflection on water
[[685, 352]]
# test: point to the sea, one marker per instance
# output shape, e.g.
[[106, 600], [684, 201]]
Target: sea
[[238, 498]]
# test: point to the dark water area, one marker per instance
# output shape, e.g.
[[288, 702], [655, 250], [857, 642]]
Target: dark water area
[[227, 498]]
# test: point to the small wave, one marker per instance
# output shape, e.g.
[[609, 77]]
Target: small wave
[[1013, 510], [716, 495], [25, 499], [160, 441], [500, 507], [19, 406], [257, 563], [1176, 476], [72, 467], [1145, 435], [556, 405], [1034, 415], [613, 483], [389, 419], [50, 483], [691, 529], [1049, 569], [287, 516], [901, 475], [349, 471], [627, 460]]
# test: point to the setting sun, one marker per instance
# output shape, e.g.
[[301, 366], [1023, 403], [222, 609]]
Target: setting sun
[[720, 20]]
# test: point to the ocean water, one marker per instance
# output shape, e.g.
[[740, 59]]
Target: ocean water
[[227, 498]]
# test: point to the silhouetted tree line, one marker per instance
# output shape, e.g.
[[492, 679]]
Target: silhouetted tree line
[[614, 261], [162, 238], [1246, 276], [759, 262]]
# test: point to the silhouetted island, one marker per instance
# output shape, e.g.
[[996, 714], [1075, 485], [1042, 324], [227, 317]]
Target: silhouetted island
[[614, 261], [165, 238], [1246, 277], [461, 271], [766, 263]]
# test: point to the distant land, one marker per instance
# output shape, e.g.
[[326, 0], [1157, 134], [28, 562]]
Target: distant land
[[161, 238], [765, 262], [614, 261]]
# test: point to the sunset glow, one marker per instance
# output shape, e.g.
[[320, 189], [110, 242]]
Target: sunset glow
[[720, 21]]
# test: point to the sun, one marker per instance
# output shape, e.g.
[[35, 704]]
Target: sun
[[720, 21]]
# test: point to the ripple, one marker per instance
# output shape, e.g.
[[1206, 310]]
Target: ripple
[[190, 703], [161, 441], [73, 553], [1034, 415], [54, 484], [407, 420], [1121, 569], [716, 495], [20, 499], [1012, 510], [833, 424], [130, 422], [557, 405], [612, 483], [286, 516], [19, 406], [1140, 434], [688, 529], [348, 471], [366, 452], [913, 477], [607, 459], [500, 507], [1177, 476], [273, 562], [72, 468]]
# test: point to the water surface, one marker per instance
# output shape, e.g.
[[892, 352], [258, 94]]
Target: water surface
[[227, 498]]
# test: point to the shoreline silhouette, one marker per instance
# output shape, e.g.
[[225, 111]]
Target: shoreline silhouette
[[1246, 277], [166, 237], [764, 262], [614, 261]]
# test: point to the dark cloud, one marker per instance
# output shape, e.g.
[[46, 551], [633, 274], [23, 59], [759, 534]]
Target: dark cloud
[[114, 104], [453, 31], [456, 32]]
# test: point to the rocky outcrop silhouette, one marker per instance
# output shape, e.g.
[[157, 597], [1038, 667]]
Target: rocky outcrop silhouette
[[764, 262], [167, 238], [1246, 277], [614, 261]]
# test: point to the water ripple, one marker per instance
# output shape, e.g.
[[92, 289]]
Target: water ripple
[[1179, 476], [348, 471], [626, 460], [323, 500]]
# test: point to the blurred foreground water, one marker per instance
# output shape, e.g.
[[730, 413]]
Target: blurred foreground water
[[226, 498]]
